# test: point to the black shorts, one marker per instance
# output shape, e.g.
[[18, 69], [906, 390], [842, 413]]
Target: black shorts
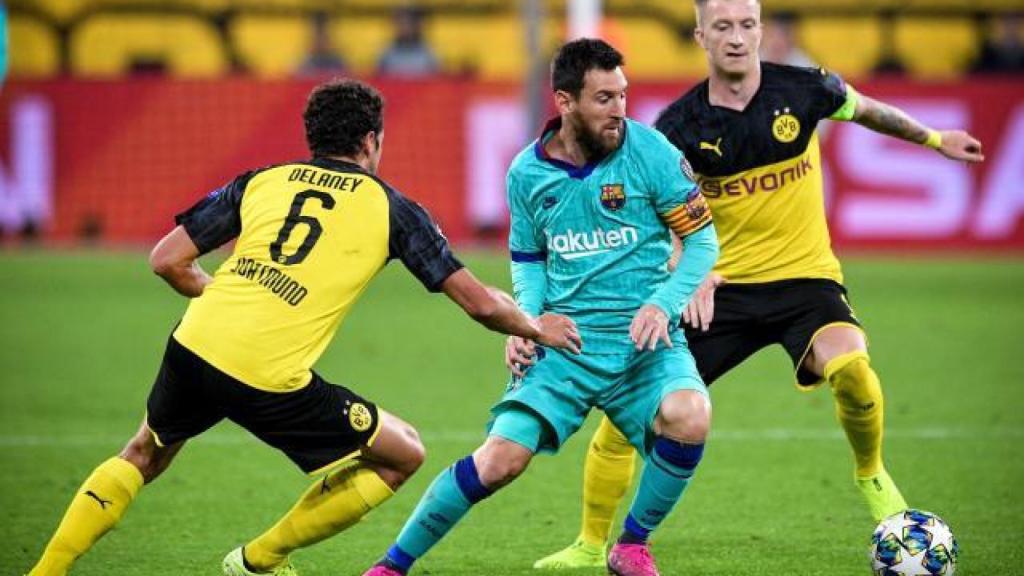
[[749, 317], [316, 426]]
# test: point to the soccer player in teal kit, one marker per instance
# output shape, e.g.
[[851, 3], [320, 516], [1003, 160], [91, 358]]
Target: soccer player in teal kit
[[592, 204]]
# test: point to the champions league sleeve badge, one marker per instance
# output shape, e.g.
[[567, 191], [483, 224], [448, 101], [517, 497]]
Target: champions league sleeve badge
[[684, 164]]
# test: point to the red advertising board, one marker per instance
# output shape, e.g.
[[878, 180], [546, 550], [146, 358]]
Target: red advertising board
[[117, 159]]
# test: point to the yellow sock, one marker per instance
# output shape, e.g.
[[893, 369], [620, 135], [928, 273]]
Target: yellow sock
[[96, 508], [859, 407], [328, 507], [606, 476]]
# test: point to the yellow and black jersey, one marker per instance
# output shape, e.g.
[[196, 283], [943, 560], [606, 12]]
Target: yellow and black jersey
[[311, 235], [760, 171]]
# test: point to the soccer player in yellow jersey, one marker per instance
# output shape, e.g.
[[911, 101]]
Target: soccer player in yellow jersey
[[311, 236], [749, 134]]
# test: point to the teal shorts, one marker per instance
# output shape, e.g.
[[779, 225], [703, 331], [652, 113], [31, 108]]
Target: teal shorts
[[561, 388]]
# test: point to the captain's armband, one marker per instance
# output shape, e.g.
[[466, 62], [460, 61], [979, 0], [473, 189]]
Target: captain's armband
[[689, 216], [846, 112]]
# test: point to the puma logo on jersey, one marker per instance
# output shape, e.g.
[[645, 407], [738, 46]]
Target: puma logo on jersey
[[716, 147]]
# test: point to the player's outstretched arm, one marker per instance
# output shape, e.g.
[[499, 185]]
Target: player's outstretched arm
[[887, 119], [174, 259], [496, 310]]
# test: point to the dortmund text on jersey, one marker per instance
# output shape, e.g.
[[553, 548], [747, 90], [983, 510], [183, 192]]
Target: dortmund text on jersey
[[311, 235], [760, 170]]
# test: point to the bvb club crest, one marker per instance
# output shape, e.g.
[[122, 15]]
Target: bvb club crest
[[613, 196], [359, 417], [785, 127]]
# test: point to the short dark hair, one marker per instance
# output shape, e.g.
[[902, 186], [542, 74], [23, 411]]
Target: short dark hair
[[574, 59], [339, 114]]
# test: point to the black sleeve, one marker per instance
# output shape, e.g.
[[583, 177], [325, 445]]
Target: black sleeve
[[417, 241], [669, 123], [829, 90], [216, 218]]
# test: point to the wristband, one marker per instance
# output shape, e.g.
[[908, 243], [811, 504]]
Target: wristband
[[934, 140]]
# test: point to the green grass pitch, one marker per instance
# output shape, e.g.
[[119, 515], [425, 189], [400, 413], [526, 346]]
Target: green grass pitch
[[82, 335]]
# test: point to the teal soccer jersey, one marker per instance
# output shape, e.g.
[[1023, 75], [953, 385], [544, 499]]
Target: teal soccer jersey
[[593, 243], [601, 230]]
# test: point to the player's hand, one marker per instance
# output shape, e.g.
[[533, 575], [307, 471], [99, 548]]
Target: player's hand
[[649, 325], [519, 354], [959, 145], [558, 331], [701, 308]]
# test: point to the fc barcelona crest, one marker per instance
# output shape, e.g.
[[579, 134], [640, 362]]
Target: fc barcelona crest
[[613, 196]]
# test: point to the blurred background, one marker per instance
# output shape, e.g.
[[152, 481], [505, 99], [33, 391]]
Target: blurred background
[[118, 113]]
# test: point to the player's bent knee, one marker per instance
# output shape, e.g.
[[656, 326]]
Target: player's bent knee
[[143, 453], [397, 453], [685, 416], [853, 379], [416, 452], [410, 467], [500, 461]]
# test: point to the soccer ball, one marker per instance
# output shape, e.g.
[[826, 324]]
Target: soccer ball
[[913, 543]]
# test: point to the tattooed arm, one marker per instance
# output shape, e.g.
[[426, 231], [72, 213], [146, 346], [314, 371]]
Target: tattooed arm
[[886, 119]]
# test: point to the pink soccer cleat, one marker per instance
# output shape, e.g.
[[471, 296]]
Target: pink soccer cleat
[[382, 571], [631, 560]]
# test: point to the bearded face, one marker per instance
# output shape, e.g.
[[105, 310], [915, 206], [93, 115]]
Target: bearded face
[[598, 114], [598, 138]]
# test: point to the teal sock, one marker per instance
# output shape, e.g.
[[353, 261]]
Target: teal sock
[[666, 474], [447, 500]]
